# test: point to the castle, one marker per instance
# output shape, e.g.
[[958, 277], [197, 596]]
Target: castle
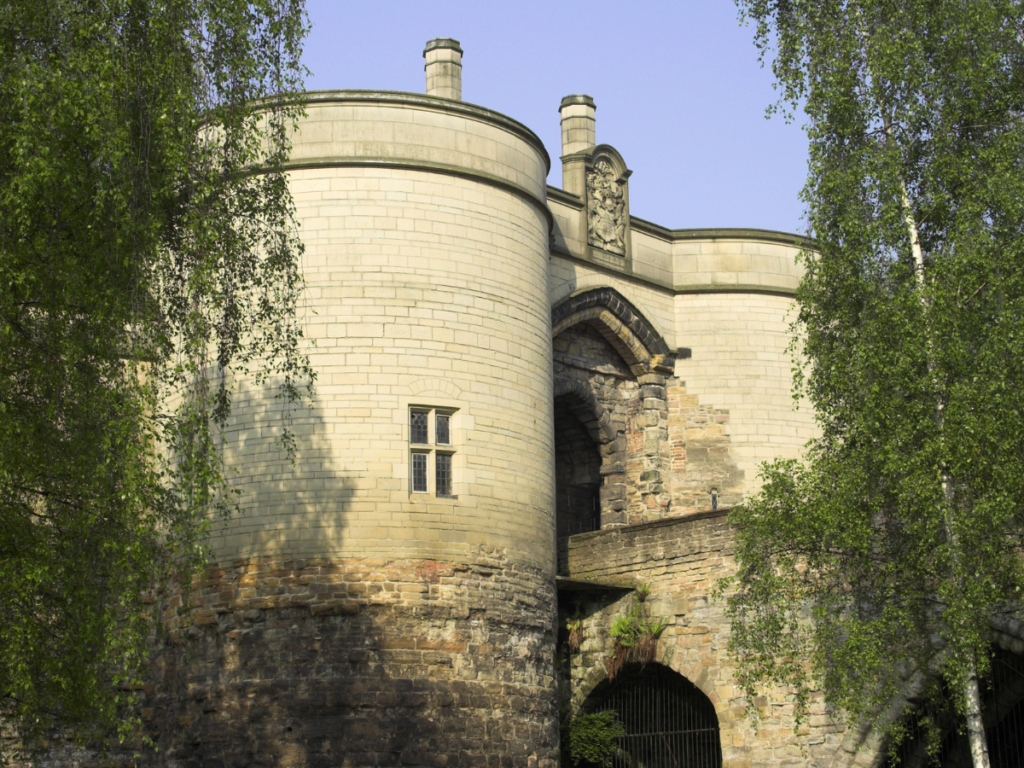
[[529, 401]]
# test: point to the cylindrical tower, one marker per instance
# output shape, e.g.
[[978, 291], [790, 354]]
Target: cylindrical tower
[[388, 599]]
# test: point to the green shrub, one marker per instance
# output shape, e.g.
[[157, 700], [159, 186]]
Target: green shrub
[[592, 738]]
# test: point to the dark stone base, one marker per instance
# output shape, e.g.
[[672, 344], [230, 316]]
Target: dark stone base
[[358, 663]]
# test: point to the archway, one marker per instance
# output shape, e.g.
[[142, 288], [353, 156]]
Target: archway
[[606, 350], [669, 722], [577, 461], [621, 324]]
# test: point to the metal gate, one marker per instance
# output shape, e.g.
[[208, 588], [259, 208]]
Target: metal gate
[[669, 722], [1003, 713]]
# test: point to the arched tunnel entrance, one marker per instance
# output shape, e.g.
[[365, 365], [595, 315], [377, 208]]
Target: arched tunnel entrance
[[1003, 714], [669, 722], [577, 471]]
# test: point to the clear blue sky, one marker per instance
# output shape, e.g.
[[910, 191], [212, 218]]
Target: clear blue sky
[[678, 88]]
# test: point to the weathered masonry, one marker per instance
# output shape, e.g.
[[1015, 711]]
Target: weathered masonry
[[523, 391]]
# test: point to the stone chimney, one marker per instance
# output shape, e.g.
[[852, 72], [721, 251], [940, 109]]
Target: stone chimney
[[579, 133], [444, 68]]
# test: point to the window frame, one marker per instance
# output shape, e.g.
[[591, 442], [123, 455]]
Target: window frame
[[432, 449]]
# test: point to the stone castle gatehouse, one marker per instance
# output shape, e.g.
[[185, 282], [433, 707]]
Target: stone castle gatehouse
[[528, 400]]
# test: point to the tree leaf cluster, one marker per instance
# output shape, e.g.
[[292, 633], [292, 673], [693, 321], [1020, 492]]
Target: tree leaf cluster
[[147, 253], [886, 551]]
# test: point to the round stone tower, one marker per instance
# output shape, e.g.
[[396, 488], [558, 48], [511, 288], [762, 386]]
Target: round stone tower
[[388, 598]]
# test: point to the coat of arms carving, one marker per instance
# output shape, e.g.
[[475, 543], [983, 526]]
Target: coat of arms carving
[[606, 209]]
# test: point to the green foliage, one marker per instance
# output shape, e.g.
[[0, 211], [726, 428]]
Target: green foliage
[[654, 627], [592, 738], [147, 251], [627, 628], [643, 590], [635, 638], [891, 546]]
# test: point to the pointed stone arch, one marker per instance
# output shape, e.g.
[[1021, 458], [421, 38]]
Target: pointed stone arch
[[585, 407], [621, 324], [667, 718], [626, 498]]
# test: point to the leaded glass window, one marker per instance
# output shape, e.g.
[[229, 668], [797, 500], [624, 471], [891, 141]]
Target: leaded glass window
[[444, 474], [444, 435], [419, 472], [418, 427], [432, 451]]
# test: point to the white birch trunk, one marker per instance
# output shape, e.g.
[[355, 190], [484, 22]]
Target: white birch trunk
[[975, 725], [972, 697]]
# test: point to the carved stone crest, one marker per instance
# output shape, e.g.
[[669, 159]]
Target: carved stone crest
[[606, 209]]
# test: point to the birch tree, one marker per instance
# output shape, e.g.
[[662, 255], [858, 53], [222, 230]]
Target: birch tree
[[888, 551], [147, 249]]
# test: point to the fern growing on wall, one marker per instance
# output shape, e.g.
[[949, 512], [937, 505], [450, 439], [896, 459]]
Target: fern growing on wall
[[635, 638]]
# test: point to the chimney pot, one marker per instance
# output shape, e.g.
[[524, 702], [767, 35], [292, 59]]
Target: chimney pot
[[579, 133], [444, 68]]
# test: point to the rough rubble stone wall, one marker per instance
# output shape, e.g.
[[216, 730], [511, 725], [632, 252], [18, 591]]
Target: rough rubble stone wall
[[649, 451], [581, 354], [682, 559], [668, 451], [701, 456], [357, 662]]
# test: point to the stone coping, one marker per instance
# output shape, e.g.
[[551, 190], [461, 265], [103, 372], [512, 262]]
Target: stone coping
[[707, 514], [442, 42], [748, 234], [577, 98], [724, 233], [434, 103]]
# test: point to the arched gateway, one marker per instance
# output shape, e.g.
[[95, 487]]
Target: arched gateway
[[669, 722]]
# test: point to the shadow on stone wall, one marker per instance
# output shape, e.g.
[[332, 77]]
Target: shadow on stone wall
[[346, 660], [336, 660]]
